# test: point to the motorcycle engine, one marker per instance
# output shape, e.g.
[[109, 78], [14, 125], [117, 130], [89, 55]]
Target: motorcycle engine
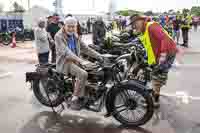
[[94, 76]]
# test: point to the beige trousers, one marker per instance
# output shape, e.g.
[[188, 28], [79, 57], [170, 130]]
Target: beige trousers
[[79, 73]]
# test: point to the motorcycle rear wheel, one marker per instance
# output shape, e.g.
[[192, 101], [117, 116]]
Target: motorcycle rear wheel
[[45, 100]]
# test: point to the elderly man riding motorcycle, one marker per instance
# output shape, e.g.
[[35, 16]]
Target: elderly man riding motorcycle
[[68, 49]]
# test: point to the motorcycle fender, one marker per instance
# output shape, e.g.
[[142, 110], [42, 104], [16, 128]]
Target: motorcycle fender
[[125, 56], [134, 83], [108, 101], [31, 76]]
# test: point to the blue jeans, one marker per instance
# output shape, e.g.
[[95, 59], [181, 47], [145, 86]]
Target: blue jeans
[[43, 58]]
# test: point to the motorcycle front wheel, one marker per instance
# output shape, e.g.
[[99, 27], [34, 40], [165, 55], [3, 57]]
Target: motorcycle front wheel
[[132, 106]]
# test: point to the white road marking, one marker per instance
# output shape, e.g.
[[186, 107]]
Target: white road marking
[[5, 74], [184, 96], [187, 66]]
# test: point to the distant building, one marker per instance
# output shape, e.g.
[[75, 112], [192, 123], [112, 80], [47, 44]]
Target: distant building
[[84, 15], [32, 16], [10, 20], [112, 8]]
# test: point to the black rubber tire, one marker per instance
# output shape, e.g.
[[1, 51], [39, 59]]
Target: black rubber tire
[[42, 100], [6, 42], [149, 101]]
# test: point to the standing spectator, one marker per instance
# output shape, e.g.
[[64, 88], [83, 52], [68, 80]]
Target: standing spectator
[[195, 23], [99, 31], [162, 21], [79, 31], [124, 23], [89, 25], [4, 27], [167, 19], [42, 42], [120, 23], [49, 20], [52, 29], [114, 24], [169, 28], [176, 25], [185, 27], [161, 51], [60, 24]]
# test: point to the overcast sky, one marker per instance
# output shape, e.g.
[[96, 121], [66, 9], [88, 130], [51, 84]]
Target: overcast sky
[[102, 5]]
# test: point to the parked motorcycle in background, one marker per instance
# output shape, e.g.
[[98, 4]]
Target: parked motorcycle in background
[[5, 38]]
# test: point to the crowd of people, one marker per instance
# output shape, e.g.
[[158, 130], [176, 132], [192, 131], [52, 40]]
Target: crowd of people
[[178, 24]]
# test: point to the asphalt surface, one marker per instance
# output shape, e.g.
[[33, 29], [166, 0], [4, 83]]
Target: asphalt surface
[[20, 112]]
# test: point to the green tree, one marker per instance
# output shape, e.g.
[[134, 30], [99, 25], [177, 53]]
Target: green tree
[[185, 11], [124, 13], [172, 12], [127, 12], [149, 13], [195, 10], [18, 8]]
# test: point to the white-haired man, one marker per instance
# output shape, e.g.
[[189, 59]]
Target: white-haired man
[[41, 41], [68, 48]]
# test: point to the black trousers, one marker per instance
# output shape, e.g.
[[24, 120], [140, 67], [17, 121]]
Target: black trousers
[[89, 29], [185, 32], [43, 58], [53, 54]]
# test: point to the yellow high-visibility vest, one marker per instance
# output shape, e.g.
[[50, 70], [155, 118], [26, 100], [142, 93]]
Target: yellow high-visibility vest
[[145, 39], [188, 19]]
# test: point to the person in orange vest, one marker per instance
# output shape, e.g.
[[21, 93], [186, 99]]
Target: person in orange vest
[[161, 51]]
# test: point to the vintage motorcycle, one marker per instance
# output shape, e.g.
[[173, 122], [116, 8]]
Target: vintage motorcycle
[[114, 44], [126, 100]]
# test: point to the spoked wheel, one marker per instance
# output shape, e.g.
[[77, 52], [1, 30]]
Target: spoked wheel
[[6, 40], [132, 107], [46, 86]]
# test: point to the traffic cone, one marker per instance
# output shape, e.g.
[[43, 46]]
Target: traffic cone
[[13, 41]]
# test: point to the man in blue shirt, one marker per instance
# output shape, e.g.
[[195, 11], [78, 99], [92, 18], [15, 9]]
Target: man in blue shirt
[[68, 49]]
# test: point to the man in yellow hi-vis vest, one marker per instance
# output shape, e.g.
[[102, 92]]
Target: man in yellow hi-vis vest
[[160, 48], [185, 27]]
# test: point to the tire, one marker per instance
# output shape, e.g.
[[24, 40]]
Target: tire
[[144, 94], [44, 100], [6, 40], [28, 36]]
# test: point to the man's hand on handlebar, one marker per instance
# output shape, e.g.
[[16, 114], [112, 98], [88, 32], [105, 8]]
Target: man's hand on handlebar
[[100, 59], [71, 60]]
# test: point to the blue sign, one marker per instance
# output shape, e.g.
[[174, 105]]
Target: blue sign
[[9, 23]]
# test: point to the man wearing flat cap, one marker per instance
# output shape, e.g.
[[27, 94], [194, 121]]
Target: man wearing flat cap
[[161, 50]]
